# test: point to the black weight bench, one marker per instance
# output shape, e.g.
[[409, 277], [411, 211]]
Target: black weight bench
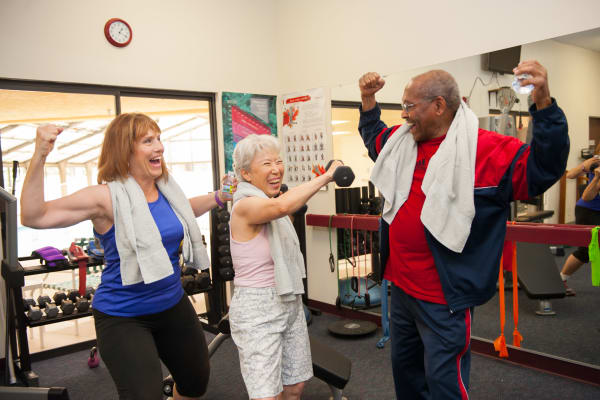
[[538, 275], [32, 393], [331, 367]]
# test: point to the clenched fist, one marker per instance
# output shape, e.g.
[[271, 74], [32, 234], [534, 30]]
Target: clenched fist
[[370, 83], [45, 137]]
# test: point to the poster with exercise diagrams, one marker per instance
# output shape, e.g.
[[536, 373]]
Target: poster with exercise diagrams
[[304, 134], [245, 114]]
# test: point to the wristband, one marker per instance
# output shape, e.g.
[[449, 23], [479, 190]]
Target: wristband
[[218, 200]]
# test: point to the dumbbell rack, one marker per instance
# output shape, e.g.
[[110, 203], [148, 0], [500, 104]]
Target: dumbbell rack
[[42, 269], [17, 319]]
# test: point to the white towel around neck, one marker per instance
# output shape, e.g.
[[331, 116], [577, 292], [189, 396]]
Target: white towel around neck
[[142, 255], [448, 184], [285, 248]]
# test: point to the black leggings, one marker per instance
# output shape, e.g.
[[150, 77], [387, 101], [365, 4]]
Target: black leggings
[[132, 347], [585, 216]]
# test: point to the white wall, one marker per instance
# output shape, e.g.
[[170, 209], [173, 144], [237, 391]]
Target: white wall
[[185, 44], [327, 43]]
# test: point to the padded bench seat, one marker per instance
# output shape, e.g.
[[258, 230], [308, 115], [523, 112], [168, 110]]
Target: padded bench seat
[[537, 271], [536, 216], [330, 366]]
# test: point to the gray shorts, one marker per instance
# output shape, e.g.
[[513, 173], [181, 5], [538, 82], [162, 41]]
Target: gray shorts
[[272, 340]]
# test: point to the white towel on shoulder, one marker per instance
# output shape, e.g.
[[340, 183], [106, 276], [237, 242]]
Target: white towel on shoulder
[[142, 255], [285, 248], [448, 184]]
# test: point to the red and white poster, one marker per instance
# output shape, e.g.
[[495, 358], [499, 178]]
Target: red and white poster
[[304, 134]]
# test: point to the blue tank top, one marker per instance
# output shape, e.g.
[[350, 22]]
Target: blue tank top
[[594, 204], [139, 299]]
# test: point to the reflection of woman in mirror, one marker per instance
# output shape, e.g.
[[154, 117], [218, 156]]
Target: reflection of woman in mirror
[[587, 212]]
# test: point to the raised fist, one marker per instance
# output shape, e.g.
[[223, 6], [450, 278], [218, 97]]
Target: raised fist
[[370, 83], [45, 137]]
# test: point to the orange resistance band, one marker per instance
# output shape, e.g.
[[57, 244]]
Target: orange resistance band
[[500, 342], [517, 337]]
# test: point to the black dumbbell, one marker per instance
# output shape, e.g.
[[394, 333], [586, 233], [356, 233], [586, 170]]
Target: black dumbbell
[[67, 307], [28, 303], [202, 280], [61, 300], [227, 273], [343, 175], [223, 215], [42, 300], [51, 310], [46, 303], [73, 295], [224, 250], [188, 283], [82, 304], [188, 271], [59, 297], [89, 292], [223, 239], [33, 312], [223, 228], [225, 262]]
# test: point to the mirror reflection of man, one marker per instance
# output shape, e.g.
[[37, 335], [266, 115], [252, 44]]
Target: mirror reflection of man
[[447, 186]]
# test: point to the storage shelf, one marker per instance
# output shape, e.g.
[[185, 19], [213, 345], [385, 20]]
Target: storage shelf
[[59, 318], [43, 269]]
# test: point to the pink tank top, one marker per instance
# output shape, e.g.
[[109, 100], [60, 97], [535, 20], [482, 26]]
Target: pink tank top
[[252, 261]]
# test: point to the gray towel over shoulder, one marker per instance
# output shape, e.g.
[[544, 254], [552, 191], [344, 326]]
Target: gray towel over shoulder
[[285, 248], [141, 252]]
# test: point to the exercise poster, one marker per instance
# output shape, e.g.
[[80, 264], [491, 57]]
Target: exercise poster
[[245, 114], [304, 134]]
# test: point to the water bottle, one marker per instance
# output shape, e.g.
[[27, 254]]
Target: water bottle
[[227, 188], [516, 84]]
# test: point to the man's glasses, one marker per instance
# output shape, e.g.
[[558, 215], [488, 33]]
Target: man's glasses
[[409, 106]]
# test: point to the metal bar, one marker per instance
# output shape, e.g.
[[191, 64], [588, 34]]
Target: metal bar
[[560, 234], [347, 221], [11, 227], [564, 367]]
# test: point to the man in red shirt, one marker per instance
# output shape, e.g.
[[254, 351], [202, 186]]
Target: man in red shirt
[[438, 277]]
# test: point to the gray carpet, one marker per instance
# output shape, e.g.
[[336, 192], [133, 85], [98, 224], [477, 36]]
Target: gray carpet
[[371, 375]]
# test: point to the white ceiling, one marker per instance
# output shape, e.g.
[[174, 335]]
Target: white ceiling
[[587, 39]]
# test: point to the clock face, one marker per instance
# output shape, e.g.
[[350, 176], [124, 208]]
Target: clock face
[[118, 32]]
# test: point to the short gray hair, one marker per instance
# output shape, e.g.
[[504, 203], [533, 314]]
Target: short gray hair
[[247, 148], [438, 82]]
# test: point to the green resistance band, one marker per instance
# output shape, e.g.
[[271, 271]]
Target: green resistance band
[[594, 253]]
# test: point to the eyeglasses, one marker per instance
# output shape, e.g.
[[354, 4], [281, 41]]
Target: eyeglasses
[[408, 106]]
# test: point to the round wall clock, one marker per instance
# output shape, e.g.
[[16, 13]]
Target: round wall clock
[[118, 32]]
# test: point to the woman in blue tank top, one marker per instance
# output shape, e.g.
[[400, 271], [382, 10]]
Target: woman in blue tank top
[[587, 212], [141, 321]]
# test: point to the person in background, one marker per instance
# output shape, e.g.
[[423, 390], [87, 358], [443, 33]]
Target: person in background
[[141, 216], [587, 212], [266, 315], [447, 186]]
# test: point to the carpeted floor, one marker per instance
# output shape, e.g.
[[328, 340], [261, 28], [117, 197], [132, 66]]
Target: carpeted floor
[[371, 375]]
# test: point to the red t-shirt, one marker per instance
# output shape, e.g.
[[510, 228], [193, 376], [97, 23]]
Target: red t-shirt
[[410, 265]]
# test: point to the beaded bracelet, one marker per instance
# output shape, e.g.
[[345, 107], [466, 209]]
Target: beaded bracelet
[[218, 200]]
